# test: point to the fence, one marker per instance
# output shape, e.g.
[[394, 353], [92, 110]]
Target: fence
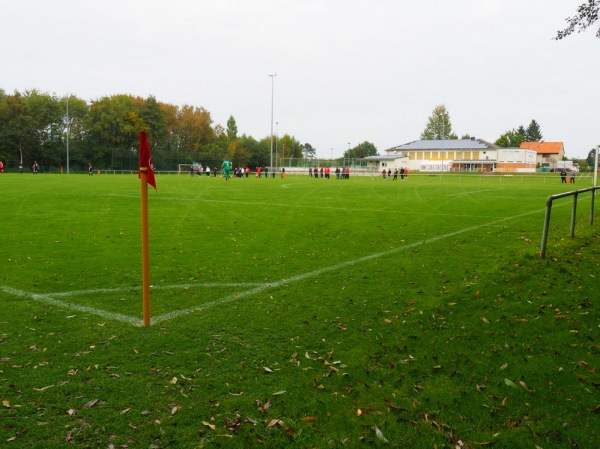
[[549, 202]]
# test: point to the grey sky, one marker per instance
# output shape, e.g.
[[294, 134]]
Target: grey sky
[[347, 70]]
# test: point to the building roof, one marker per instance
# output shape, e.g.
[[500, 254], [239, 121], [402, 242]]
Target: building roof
[[385, 157], [544, 147], [450, 144]]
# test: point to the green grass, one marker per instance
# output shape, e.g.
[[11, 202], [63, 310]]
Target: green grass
[[299, 313]]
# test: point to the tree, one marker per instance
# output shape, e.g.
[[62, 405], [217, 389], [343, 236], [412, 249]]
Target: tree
[[361, 150], [232, 129], [510, 139], [533, 133], [239, 152], [438, 125], [591, 157], [514, 138], [194, 129], [308, 151], [289, 147], [153, 116], [17, 129], [587, 15]]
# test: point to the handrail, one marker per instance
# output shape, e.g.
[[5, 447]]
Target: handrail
[[549, 201]]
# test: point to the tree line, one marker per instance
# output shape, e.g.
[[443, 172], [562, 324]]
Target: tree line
[[61, 132], [36, 126]]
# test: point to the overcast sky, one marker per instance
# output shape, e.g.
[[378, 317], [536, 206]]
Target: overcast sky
[[348, 71]]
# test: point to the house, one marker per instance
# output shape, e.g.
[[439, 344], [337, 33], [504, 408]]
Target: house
[[548, 153], [388, 161], [445, 155], [516, 160]]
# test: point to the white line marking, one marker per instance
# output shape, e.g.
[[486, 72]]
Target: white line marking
[[474, 191], [47, 299], [155, 287], [258, 288], [301, 277]]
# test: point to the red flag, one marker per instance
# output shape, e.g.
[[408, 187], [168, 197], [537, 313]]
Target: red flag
[[146, 160]]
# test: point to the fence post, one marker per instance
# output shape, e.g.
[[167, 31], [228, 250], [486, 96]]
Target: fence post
[[573, 214], [546, 226], [592, 209]]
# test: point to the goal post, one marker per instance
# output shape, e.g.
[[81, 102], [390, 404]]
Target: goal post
[[184, 168]]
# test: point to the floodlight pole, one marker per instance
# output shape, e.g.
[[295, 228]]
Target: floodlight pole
[[443, 137], [68, 132], [272, 92], [348, 155], [596, 167]]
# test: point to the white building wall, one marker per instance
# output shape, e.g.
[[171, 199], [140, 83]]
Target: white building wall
[[517, 155]]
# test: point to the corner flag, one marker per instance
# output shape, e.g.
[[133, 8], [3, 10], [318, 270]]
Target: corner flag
[[146, 160], [146, 174]]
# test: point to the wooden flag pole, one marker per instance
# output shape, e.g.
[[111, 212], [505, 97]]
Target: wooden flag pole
[[145, 248]]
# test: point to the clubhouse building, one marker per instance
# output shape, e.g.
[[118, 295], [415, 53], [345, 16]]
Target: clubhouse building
[[457, 155]]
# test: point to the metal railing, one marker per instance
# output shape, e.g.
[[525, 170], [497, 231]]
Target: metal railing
[[550, 200]]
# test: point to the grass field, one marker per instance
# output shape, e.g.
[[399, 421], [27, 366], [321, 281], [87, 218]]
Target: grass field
[[297, 313]]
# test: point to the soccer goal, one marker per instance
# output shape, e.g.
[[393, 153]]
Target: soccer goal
[[184, 168]]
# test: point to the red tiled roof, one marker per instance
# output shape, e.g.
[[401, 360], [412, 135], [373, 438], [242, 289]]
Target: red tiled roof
[[544, 147]]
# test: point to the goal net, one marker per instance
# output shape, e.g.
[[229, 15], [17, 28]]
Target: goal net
[[184, 168]]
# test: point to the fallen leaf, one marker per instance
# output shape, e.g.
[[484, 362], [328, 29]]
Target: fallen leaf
[[274, 422], [510, 383], [6, 403], [379, 434], [505, 401], [209, 425], [91, 403], [524, 385], [279, 393], [267, 369]]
